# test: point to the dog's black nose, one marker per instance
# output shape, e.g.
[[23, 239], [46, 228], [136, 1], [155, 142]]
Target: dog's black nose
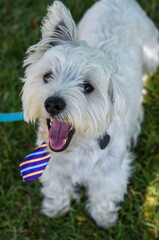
[[54, 105]]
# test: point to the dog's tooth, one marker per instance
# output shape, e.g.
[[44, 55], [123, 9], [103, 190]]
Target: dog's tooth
[[50, 124], [70, 128]]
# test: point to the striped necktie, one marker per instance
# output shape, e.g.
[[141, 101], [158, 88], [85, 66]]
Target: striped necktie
[[35, 163]]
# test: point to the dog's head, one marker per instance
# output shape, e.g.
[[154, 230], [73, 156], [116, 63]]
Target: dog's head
[[70, 88]]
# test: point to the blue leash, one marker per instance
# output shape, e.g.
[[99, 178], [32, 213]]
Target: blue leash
[[11, 117]]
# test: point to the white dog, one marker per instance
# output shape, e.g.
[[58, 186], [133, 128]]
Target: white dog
[[83, 84]]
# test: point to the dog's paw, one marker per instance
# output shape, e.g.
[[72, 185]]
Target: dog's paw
[[53, 208], [108, 221], [102, 214]]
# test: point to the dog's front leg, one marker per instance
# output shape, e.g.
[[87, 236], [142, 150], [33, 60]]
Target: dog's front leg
[[57, 190], [106, 190]]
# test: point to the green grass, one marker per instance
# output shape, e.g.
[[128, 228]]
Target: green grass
[[20, 216]]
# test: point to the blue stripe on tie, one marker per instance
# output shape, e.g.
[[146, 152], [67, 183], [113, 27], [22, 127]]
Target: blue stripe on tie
[[33, 167], [36, 153]]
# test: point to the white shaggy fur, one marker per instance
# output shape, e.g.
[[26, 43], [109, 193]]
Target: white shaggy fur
[[114, 45]]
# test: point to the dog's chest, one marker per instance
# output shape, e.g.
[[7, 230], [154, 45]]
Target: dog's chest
[[81, 163]]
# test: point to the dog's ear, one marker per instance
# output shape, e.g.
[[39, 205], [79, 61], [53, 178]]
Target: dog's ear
[[118, 97], [58, 26]]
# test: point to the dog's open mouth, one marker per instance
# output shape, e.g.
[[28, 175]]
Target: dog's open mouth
[[60, 134]]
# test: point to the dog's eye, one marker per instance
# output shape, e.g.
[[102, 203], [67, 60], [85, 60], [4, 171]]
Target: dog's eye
[[88, 88], [47, 77]]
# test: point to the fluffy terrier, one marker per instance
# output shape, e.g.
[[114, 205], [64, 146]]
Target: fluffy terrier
[[84, 87]]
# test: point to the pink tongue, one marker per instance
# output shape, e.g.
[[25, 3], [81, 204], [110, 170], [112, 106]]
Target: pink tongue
[[58, 134]]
